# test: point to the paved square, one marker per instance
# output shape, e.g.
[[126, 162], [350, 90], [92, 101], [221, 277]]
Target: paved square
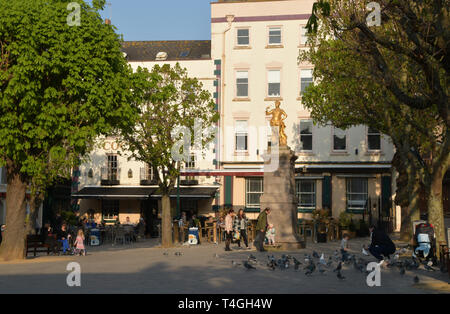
[[145, 268]]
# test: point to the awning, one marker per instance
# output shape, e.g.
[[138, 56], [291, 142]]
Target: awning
[[143, 193], [115, 193]]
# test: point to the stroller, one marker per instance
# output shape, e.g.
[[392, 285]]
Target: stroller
[[425, 242]]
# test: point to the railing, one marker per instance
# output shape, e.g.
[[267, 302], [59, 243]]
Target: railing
[[147, 177], [110, 176]]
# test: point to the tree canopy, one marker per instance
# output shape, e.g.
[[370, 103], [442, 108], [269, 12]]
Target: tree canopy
[[170, 105], [60, 87]]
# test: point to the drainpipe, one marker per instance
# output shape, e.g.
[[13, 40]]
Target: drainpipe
[[230, 19]]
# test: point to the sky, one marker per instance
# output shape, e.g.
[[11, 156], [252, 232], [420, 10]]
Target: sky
[[161, 19]]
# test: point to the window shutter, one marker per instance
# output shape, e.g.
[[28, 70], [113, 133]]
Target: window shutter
[[386, 195], [326, 192], [228, 190]]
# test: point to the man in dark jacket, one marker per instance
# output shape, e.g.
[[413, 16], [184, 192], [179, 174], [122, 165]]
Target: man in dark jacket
[[49, 238], [381, 244], [261, 227]]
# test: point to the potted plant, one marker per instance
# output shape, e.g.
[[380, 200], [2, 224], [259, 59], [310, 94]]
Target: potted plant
[[320, 217]]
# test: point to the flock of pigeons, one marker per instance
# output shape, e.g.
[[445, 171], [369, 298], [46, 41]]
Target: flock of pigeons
[[322, 265]]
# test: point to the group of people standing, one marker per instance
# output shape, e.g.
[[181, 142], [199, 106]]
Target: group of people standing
[[236, 227], [60, 239]]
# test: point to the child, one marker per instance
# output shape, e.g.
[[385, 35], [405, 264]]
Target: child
[[79, 243], [344, 246], [270, 234]]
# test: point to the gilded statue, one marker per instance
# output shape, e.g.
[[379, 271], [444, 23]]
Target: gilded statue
[[278, 117]]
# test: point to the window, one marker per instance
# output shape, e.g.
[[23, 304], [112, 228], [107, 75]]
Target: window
[[241, 135], [242, 83], [356, 194], [306, 78], [339, 139], [191, 164], [306, 193], [275, 36], [243, 37], [112, 167], [274, 85], [303, 35], [110, 208], [373, 139], [254, 188], [306, 134]]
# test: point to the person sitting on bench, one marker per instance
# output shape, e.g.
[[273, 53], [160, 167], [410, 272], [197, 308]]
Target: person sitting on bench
[[381, 245]]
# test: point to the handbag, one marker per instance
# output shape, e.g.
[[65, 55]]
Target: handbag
[[237, 235]]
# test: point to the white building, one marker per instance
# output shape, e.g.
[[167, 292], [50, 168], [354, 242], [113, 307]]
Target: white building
[[250, 62]]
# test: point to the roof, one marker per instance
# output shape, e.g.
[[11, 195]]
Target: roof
[[142, 192], [176, 50]]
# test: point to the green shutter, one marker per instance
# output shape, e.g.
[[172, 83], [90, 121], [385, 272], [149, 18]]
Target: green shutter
[[326, 192], [386, 193], [217, 61], [228, 190]]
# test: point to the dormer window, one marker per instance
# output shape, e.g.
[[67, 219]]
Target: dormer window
[[161, 56]]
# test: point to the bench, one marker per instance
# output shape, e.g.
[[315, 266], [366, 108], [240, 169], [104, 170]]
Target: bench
[[34, 244]]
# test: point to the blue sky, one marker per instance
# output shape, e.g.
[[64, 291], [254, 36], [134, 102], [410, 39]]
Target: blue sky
[[161, 19]]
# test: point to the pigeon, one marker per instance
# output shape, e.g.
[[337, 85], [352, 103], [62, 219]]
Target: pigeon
[[416, 279], [216, 255], [166, 254], [322, 259], [248, 266], [178, 253], [402, 271], [296, 261], [310, 268], [234, 263], [365, 252], [429, 268], [321, 270], [315, 254], [330, 261], [358, 266], [339, 275], [338, 268]]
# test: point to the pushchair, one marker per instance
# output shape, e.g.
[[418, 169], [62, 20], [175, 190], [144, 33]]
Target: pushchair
[[425, 242]]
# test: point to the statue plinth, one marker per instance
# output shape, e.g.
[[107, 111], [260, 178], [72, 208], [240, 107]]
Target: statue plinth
[[279, 195]]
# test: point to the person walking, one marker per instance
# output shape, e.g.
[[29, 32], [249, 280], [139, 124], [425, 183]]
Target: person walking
[[240, 226], [261, 227], [229, 229]]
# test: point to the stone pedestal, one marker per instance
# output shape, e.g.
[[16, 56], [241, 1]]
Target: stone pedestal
[[279, 195]]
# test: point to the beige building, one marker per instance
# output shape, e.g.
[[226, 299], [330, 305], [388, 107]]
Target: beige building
[[249, 63]]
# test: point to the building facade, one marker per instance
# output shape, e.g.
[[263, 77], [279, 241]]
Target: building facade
[[249, 63]]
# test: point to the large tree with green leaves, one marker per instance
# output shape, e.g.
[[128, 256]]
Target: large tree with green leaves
[[170, 102], [61, 85], [392, 77]]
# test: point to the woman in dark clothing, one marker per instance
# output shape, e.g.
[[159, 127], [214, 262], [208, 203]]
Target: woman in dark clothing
[[240, 225], [381, 244], [48, 237], [2, 227]]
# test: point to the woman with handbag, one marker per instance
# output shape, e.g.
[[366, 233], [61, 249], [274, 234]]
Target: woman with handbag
[[240, 228]]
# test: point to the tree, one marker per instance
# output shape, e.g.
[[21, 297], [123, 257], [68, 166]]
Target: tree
[[361, 79], [170, 103], [60, 87]]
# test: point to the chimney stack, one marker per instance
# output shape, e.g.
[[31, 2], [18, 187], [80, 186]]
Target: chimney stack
[[107, 21]]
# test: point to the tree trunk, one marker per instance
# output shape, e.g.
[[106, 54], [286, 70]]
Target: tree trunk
[[166, 223], [411, 197], [13, 245], [436, 208]]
